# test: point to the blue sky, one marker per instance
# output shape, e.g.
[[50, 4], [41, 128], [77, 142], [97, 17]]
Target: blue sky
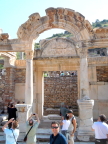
[[13, 13]]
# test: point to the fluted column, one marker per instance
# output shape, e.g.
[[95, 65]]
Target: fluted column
[[84, 82], [85, 103], [29, 78], [39, 93]]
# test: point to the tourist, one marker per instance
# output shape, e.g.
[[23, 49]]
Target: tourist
[[63, 111], [11, 133], [56, 137], [12, 111], [31, 123], [62, 73], [71, 128], [101, 130], [65, 124]]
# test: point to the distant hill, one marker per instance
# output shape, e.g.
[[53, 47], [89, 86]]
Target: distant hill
[[66, 34], [97, 23]]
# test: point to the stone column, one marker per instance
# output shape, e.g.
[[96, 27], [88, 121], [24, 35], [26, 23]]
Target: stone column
[[85, 132], [39, 93], [29, 78], [84, 82]]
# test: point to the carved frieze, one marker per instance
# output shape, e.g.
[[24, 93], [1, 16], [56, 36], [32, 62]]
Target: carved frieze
[[101, 32], [58, 47], [20, 63]]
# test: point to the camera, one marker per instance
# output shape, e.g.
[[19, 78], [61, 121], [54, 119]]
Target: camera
[[34, 114]]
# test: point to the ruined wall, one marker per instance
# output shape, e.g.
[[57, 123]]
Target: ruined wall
[[98, 89], [20, 75], [7, 85], [57, 89], [60, 89], [102, 73]]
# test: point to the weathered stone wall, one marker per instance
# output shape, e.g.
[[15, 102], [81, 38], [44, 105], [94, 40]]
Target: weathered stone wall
[[60, 89], [102, 73], [7, 85], [20, 75]]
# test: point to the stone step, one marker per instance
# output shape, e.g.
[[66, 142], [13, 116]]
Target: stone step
[[42, 135], [57, 110]]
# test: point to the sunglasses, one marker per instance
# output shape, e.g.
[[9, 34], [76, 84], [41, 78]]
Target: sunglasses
[[54, 127]]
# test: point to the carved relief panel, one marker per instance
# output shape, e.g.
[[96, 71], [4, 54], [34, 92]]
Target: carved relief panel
[[59, 47]]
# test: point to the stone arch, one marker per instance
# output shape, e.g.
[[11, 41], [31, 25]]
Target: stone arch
[[62, 18], [9, 58]]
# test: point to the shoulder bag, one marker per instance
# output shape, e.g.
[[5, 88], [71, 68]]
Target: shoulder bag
[[25, 138], [14, 137]]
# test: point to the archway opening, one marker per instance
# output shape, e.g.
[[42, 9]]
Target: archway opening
[[60, 88]]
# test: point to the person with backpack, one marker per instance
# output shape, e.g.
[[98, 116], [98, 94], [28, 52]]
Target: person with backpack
[[71, 128]]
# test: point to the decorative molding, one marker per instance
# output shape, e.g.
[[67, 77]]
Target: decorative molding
[[20, 63]]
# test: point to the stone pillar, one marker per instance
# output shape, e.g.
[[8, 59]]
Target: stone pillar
[[85, 132], [24, 111], [84, 82], [39, 93], [29, 78]]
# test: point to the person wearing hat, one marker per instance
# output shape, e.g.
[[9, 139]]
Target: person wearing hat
[[32, 125], [101, 130], [71, 128]]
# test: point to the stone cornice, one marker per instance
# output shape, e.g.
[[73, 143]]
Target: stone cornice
[[96, 43], [98, 60], [15, 45]]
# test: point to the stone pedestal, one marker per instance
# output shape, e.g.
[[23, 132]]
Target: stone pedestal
[[85, 132], [24, 111]]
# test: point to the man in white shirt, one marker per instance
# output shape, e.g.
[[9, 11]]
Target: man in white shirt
[[101, 130]]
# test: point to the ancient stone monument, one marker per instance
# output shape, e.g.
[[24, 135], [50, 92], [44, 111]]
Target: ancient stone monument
[[56, 55]]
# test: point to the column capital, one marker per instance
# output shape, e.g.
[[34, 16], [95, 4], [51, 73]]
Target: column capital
[[82, 52], [29, 54]]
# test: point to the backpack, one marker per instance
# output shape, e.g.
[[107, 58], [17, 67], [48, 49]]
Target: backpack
[[72, 120]]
